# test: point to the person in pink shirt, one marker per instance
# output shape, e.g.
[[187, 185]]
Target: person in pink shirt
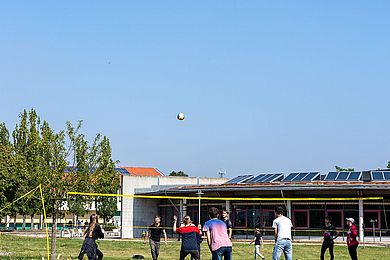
[[352, 242], [217, 237]]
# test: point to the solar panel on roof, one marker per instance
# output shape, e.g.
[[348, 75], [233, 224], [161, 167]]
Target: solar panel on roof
[[331, 176], [239, 179], [387, 176], [258, 178], [121, 170], [377, 176], [273, 177], [310, 176], [268, 178], [265, 176], [342, 176], [354, 176], [300, 176], [291, 176]]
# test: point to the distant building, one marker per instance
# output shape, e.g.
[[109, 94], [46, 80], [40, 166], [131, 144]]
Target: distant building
[[138, 213], [305, 214]]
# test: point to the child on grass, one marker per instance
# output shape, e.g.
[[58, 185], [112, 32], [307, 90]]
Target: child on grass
[[258, 240]]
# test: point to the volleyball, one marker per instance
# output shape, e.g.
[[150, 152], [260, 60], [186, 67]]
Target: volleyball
[[180, 116]]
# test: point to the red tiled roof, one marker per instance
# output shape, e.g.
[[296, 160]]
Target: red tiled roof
[[143, 171]]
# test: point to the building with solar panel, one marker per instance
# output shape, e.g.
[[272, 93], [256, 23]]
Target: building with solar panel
[[307, 197]]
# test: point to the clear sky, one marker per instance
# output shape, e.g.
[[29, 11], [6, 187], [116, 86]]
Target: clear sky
[[266, 86]]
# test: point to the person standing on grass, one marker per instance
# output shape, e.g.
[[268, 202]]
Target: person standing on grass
[[258, 240], [229, 225], [89, 246], [352, 242], [282, 232], [154, 235], [191, 238], [217, 238], [330, 234]]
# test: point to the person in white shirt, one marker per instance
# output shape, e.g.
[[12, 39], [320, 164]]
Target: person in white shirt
[[282, 231]]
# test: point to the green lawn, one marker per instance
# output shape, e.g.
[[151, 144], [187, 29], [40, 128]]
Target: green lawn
[[34, 248]]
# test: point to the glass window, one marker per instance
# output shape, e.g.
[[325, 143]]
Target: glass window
[[300, 218], [240, 218], [317, 218], [337, 217]]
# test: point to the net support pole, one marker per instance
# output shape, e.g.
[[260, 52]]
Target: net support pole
[[288, 209], [227, 205], [361, 223]]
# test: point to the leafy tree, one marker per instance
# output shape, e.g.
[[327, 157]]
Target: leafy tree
[[106, 180], [388, 165], [6, 167], [32, 161], [61, 161], [56, 183], [80, 170], [179, 173], [340, 169], [20, 174]]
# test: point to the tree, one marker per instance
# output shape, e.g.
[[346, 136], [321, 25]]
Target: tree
[[179, 173], [388, 165], [80, 169], [340, 169], [6, 167], [106, 181], [61, 161], [20, 174], [56, 183]]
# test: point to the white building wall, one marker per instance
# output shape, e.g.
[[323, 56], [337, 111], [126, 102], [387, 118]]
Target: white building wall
[[138, 213]]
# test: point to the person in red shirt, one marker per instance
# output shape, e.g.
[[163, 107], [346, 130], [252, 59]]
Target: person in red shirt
[[352, 242], [191, 238]]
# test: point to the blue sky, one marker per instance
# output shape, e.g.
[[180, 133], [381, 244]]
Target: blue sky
[[266, 87]]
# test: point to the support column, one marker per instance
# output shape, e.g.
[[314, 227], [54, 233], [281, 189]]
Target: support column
[[183, 208], [288, 209], [361, 221], [7, 220], [227, 206]]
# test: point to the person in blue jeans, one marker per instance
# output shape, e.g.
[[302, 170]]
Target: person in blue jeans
[[282, 232], [217, 237]]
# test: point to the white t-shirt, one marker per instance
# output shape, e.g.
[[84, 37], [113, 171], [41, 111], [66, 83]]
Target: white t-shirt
[[284, 225]]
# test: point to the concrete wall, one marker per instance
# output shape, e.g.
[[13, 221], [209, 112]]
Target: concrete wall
[[137, 213]]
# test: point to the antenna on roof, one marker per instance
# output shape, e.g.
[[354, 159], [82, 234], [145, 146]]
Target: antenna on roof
[[222, 174]]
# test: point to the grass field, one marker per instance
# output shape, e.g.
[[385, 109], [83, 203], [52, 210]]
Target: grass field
[[34, 248]]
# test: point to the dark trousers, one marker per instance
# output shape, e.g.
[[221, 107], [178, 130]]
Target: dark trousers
[[154, 248], [99, 255], [195, 254], [353, 252], [323, 250], [225, 252], [90, 248]]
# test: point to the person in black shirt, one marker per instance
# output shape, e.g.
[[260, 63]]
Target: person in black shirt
[[258, 239], [154, 234], [330, 234], [229, 226], [89, 246]]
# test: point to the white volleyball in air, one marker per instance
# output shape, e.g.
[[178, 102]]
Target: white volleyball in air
[[180, 116]]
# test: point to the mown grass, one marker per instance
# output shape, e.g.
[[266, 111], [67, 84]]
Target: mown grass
[[35, 248]]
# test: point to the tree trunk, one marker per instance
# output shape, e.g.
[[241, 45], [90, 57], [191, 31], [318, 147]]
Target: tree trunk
[[32, 222], [7, 220], [53, 238], [41, 220], [15, 222], [24, 223]]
